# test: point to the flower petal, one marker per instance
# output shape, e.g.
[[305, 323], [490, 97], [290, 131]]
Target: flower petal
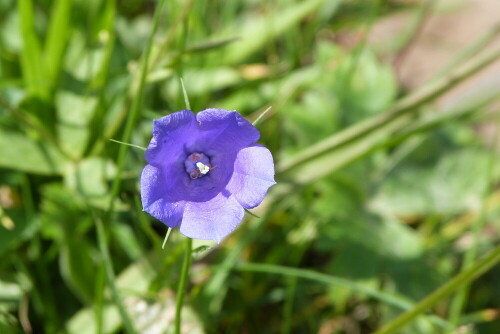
[[171, 134], [223, 130], [211, 220], [253, 175], [156, 199]]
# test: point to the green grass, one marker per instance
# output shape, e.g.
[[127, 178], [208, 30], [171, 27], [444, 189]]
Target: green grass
[[384, 218]]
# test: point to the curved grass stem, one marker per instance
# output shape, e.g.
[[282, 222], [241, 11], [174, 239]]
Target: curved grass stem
[[460, 299], [462, 279], [181, 288], [110, 275], [402, 107]]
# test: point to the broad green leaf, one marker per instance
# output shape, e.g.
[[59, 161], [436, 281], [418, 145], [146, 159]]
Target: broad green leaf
[[124, 236], [455, 184], [65, 220], [27, 155], [136, 279], [77, 264], [89, 179], [82, 62], [10, 292], [74, 114], [10, 34], [17, 231]]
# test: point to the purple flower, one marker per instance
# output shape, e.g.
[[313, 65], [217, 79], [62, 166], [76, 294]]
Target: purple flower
[[202, 171]]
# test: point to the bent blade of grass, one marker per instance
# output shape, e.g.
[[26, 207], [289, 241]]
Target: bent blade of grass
[[386, 135], [459, 300], [385, 297], [402, 107], [464, 278]]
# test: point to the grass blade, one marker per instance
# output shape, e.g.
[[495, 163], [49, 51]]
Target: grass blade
[[411, 102], [110, 275], [389, 299], [57, 39], [464, 278], [31, 60]]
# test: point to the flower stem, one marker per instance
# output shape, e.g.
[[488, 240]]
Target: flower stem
[[464, 278], [181, 289]]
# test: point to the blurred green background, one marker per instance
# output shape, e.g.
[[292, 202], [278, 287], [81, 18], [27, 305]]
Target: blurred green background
[[384, 130]]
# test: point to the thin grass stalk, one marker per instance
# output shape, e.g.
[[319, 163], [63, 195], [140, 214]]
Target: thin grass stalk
[[458, 302], [134, 110], [291, 289], [464, 278], [181, 288], [484, 40], [110, 275], [388, 298], [402, 107], [131, 119]]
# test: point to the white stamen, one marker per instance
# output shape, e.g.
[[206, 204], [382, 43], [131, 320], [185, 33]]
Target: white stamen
[[202, 167]]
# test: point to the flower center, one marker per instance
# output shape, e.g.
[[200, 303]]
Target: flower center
[[197, 165]]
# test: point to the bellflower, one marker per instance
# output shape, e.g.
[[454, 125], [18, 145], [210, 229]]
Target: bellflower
[[203, 171]]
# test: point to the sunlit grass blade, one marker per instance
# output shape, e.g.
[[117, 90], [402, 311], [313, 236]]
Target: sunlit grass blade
[[464, 278], [127, 144], [169, 230], [261, 116], [251, 213], [184, 93]]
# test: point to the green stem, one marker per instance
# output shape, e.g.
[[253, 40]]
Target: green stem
[[471, 254], [134, 111], [110, 275], [291, 289], [488, 37], [464, 278], [181, 289], [403, 106]]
